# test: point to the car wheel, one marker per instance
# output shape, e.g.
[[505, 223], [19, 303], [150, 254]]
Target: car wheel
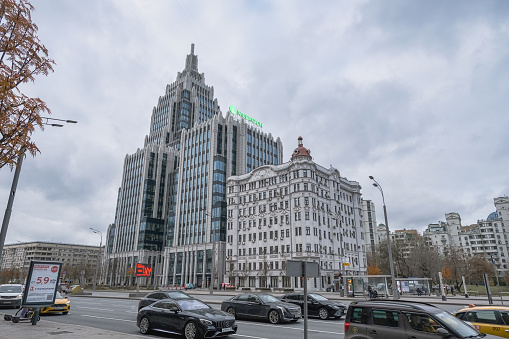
[[231, 310], [15, 320], [323, 313], [144, 325], [274, 317], [190, 330]]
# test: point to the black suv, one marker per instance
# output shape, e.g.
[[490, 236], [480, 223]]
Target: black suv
[[402, 320]]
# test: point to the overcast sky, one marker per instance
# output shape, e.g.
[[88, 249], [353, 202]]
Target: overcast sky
[[415, 93]]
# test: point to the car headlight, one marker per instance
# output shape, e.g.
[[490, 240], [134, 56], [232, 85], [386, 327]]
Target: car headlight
[[19, 295], [284, 310], [206, 322], [335, 307], [67, 303]]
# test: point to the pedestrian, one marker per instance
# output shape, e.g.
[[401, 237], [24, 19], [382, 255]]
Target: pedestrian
[[446, 289], [452, 290], [370, 292], [419, 292]]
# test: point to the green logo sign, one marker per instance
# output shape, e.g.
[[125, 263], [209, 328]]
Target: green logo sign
[[234, 111]]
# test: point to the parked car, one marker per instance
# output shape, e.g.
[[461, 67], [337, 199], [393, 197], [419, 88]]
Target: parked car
[[189, 286], [11, 295], [261, 306], [61, 305], [487, 319], [188, 317], [404, 319], [330, 288], [318, 305], [159, 295]]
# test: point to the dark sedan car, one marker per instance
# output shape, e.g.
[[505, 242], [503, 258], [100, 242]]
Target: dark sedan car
[[188, 317], [160, 295], [261, 306], [318, 305]]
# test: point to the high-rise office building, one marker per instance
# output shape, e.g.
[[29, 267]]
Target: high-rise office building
[[171, 205]]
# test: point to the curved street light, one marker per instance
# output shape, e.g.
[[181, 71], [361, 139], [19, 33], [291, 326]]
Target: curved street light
[[395, 291], [8, 210]]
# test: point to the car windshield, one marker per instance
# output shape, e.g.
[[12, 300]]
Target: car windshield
[[191, 304], [267, 298], [10, 289], [177, 295], [457, 325], [318, 297]]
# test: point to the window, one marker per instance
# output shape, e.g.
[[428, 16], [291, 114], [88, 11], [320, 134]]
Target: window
[[485, 316], [422, 322], [385, 318], [359, 315]]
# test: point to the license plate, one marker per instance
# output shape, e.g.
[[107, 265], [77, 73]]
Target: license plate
[[226, 329]]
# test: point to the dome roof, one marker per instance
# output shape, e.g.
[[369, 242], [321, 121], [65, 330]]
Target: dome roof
[[492, 216], [301, 151]]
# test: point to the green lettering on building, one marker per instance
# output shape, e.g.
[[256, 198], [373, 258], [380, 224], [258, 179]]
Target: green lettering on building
[[234, 111]]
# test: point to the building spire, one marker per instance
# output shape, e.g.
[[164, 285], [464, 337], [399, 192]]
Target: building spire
[[192, 61]]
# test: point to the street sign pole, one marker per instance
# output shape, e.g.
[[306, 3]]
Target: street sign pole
[[305, 283]]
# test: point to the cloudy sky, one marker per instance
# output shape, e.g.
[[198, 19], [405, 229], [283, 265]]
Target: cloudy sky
[[414, 93]]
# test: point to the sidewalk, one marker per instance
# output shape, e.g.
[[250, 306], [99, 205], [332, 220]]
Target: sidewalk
[[218, 296], [51, 329]]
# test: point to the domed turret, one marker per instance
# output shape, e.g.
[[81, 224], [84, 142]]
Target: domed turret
[[492, 216], [301, 151]]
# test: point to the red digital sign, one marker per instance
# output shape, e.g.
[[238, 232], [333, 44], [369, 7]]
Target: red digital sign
[[143, 270]]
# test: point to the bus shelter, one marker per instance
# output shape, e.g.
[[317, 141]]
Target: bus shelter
[[357, 285], [414, 285]]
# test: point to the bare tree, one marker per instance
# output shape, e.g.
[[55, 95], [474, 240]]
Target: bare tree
[[455, 260], [425, 260], [476, 267]]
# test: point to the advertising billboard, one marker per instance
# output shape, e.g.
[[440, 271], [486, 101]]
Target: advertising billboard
[[41, 284]]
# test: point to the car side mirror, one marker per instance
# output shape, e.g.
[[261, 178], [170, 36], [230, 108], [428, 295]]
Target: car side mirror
[[443, 332], [174, 310]]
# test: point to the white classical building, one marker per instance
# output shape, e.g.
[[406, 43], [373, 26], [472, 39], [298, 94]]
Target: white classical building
[[297, 210], [372, 237], [487, 238]]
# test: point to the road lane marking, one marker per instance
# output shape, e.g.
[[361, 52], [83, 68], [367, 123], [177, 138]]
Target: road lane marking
[[94, 316], [97, 309], [290, 328], [246, 336]]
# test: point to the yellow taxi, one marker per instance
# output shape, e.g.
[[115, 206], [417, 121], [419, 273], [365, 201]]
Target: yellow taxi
[[487, 319], [61, 305]]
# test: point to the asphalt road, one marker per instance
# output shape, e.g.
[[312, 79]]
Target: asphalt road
[[120, 315]]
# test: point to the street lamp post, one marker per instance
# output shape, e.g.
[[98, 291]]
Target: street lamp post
[[12, 193], [98, 256], [395, 291], [213, 230]]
